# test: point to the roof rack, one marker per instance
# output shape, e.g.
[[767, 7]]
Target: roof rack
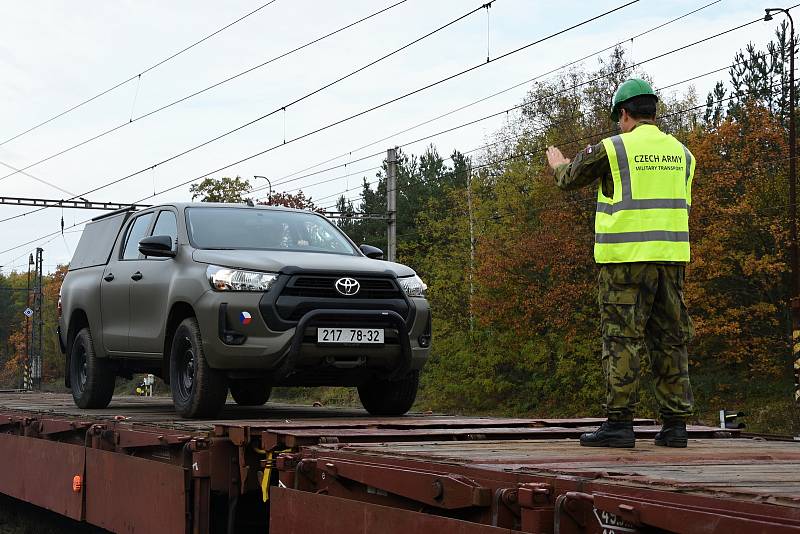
[[132, 207]]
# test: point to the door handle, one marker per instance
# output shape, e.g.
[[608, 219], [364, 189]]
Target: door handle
[[109, 277], [136, 276]]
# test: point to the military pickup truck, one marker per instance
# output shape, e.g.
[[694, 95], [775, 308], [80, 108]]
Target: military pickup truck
[[218, 297]]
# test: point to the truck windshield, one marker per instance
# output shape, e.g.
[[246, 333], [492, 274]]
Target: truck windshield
[[263, 229]]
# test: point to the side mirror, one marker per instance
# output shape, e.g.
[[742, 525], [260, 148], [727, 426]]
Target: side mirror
[[159, 246], [372, 252]]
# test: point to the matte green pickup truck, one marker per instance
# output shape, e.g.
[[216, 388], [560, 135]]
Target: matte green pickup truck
[[219, 297]]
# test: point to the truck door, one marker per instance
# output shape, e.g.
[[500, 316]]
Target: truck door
[[149, 295], [114, 287]]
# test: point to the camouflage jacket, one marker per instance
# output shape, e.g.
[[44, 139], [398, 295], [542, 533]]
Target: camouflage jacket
[[589, 164]]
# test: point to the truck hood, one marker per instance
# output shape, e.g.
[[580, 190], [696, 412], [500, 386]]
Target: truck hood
[[291, 262]]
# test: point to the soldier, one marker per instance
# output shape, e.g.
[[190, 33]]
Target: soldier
[[642, 246]]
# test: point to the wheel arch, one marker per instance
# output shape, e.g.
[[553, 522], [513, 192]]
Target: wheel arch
[[78, 320], [180, 310]]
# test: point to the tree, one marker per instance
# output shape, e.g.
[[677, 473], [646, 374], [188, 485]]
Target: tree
[[757, 75], [291, 200], [739, 278], [221, 190], [12, 352]]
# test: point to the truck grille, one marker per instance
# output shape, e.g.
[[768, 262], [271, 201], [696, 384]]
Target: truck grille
[[304, 293], [324, 286]]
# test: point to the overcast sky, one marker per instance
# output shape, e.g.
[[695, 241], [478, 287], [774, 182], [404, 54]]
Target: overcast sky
[[54, 54]]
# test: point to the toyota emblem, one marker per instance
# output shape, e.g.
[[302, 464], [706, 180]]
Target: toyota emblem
[[347, 286]]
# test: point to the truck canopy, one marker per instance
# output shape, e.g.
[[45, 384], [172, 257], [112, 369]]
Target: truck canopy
[[97, 240]]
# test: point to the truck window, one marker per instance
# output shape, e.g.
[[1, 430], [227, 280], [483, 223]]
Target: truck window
[[136, 231], [264, 229], [167, 224]]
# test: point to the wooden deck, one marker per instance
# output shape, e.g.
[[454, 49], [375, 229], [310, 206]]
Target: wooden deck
[[741, 468]]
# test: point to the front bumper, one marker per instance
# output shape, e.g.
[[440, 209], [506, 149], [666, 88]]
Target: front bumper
[[293, 357]]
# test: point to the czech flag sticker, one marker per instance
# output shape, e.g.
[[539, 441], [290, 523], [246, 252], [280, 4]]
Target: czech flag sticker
[[245, 318]]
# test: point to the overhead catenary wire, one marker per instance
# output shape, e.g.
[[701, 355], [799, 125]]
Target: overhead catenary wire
[[521, 155], [281, 108], [566, 90], [201, 91], [593, 135], [736, 96], [40, 180], [544, 128], [505, 112], [330, 125], [137, 75], [527, 103], [502, 112], [483, 99], [401, 97], [472, 168]]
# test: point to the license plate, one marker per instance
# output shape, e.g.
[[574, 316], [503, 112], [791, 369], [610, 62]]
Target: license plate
[[350, 335]]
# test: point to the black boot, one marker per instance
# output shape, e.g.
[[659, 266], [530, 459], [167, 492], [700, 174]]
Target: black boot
[[611, 434], [673, 434]]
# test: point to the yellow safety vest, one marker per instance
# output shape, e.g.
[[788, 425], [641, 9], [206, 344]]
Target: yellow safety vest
[[648, 217]]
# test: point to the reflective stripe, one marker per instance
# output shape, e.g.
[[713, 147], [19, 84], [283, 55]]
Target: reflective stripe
[[602, 207], [688, 164], [628, 202], [639, 237], [643, 204], [624, 168]]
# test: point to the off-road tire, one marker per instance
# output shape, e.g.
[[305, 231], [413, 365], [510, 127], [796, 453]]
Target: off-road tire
[[389, 397], [92, 378], [197, 389], [250, 391]]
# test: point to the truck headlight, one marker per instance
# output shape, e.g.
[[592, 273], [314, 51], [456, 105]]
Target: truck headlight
[[224, 279], [413, 286]]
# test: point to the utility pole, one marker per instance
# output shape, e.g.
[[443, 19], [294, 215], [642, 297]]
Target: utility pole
[[471, 248], [26, 371], [391, 202], [38, 323], [793, 253]]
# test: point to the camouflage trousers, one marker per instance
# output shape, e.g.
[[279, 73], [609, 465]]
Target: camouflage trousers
[[645, 323]]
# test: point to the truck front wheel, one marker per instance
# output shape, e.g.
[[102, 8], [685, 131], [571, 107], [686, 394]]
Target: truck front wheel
[[197, 389], [92, 378], [389, 397]]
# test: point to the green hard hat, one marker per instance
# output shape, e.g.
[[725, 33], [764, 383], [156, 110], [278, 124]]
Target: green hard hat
[[627, 90]]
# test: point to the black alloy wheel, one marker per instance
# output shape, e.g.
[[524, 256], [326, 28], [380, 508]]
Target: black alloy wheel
[[92, 378], [197, 389]]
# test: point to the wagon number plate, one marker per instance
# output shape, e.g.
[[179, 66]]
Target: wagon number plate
[[350, 335]]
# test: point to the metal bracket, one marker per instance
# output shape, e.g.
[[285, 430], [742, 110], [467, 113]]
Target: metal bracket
[[448, 491], [240, 437], [533, 494]]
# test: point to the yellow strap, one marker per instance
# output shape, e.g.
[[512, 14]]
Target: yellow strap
[[267, 471], [265, 478]]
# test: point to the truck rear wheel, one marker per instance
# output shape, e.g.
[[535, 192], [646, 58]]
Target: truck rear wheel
[[197, 389], [250, 391], [92, 378], [389, 397]]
